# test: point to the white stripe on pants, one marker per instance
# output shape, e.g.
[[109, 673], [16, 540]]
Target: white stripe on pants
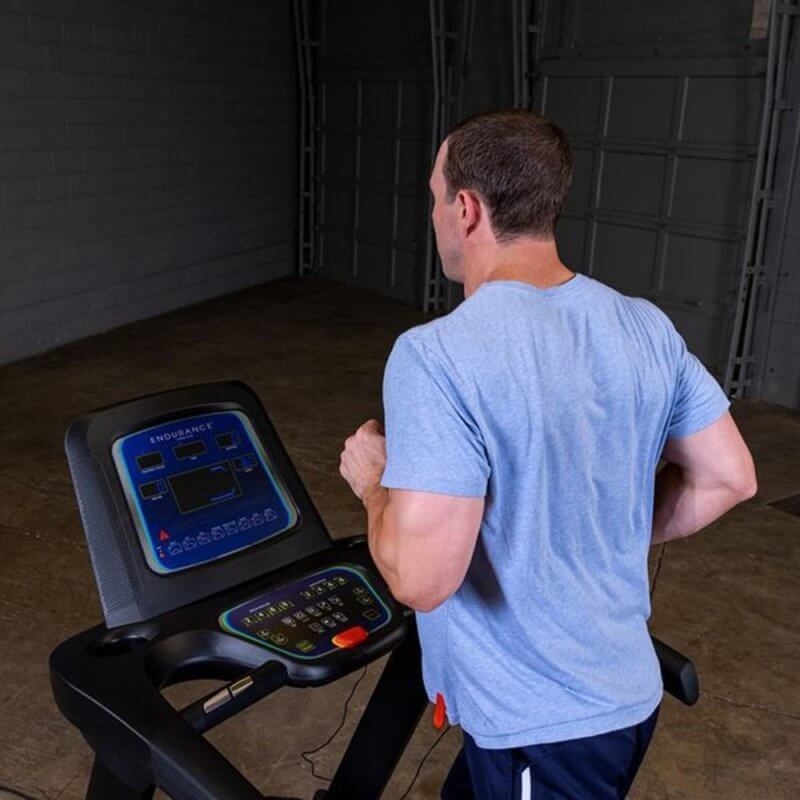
[[525, 791]]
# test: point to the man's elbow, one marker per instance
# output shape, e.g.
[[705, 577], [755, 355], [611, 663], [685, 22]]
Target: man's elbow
[[419, 598], [747, 488], [746, 484]]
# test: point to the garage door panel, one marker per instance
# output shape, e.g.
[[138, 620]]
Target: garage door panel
[[338, 256], [375, 214], [712, 191], [580, 193], [378, 100], [373, 266], [571, 237], [412, 213], [414, 166], [641, 108], [625, 257], [723, 110], [377, 159], [340, 106], [633, 182], [575, 104], [417, 103], [339, 156], [339, 209], [701, 269]]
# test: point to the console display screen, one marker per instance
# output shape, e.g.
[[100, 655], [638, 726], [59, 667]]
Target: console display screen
[[200, 488], [150, 461], [204, 486], [196, 448]]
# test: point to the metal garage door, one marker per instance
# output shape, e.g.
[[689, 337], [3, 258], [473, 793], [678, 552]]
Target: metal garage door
[[375, 132]]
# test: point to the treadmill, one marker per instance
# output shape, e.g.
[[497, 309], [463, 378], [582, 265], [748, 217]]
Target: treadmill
[[212, 562]]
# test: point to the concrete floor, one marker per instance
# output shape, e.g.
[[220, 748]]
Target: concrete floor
[[314, 352]]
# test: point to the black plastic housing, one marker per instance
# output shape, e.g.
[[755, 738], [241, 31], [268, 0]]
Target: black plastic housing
[[129, 590]]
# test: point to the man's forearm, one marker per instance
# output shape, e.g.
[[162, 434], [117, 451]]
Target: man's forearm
[[380, 546], [682, 508]]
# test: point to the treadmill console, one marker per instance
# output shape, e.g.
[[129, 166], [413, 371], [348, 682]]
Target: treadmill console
[[335, 608], [200, 488], [185, 494]]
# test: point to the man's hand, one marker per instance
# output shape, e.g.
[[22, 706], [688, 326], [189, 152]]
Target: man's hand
[[364, 459]]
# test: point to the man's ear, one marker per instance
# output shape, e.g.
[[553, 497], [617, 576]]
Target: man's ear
[[471, 210]]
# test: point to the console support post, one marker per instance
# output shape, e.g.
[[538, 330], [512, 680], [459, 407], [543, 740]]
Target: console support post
[[388, 722], [104, 784]]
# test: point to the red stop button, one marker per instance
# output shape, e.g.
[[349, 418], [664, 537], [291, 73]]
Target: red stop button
[[351, 637]]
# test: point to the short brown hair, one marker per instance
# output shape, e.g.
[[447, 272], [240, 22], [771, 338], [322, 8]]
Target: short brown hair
[[519, 162]]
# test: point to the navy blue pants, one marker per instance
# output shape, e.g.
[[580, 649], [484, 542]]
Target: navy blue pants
[[593, 768]]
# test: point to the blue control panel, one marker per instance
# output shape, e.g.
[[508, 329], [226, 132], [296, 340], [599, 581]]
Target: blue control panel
[[312, 617], [200, 488]]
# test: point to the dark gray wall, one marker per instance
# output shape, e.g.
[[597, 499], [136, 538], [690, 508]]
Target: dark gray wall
[[147, 160]]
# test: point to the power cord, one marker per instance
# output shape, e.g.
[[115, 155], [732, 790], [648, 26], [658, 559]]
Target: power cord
[[306, 753], [424, 759], [16, 793]]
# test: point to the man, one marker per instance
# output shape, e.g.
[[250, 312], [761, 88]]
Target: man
[[515, 496]]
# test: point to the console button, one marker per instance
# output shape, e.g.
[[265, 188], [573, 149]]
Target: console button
[[227, 441], [351, 637], [364, 599], [371, 614]]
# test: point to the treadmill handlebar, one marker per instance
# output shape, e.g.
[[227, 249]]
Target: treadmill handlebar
[[187, 767]]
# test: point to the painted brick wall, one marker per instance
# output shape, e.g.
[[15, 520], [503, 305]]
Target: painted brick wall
[[147, 160]]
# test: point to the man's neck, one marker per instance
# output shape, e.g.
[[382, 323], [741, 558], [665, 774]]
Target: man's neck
[[533, 261]]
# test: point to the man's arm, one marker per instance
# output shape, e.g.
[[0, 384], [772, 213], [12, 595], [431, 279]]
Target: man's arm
[[707, 474], [422, 542]]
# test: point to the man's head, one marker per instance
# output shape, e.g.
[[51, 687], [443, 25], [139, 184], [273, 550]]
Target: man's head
[[498, 177]]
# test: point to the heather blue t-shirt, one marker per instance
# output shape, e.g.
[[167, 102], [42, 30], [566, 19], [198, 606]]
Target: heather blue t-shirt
[[555, 404]]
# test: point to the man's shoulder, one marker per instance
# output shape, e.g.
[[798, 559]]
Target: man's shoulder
[[640, 306], [442, 333]]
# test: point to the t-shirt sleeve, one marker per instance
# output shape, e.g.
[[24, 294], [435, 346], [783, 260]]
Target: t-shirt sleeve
[[432, 442], [699, 399]]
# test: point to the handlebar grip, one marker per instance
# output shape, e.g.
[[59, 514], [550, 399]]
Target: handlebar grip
[[678, 673]]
